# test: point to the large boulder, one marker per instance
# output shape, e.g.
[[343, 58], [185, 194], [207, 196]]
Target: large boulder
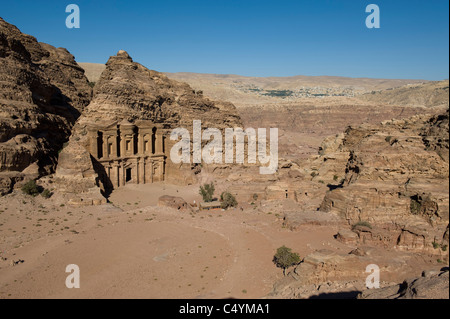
[[177, 203]]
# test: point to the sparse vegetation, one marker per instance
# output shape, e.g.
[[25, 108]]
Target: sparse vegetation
[[31, 188], [285, 258], [207, 192], [415, 206], [437, 246], [228, 200], [46, 193], [279, 93]]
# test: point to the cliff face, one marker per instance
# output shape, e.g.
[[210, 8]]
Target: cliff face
[[127, 92], [42, 93], [388, 189], [396, 178]]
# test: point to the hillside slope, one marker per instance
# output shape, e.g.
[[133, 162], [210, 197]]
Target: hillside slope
[[427, 94]]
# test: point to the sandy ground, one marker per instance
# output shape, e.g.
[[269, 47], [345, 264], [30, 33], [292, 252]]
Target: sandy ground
[[134, 249]]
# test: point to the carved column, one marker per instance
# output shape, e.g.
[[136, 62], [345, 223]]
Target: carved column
[[119, 174], [122, 145], [105, 146], [159, 143], [114, 145], [122, 174], [149, 169], [136, 171], [142, 170], [115, 175], [140, 143]]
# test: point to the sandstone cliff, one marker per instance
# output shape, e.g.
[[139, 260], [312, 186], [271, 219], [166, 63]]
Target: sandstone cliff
[[385, 189], [396, 180], [42, 93], [127, 92]]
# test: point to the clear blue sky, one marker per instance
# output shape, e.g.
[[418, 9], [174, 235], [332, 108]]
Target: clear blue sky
[[250, 37]]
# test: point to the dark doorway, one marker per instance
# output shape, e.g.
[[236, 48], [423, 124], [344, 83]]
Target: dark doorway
[[154, 140], [99, 145], [128, 175]]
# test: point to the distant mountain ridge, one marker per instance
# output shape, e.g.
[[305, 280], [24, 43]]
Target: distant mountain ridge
[[428, 94], [245, 90], [93, 72]]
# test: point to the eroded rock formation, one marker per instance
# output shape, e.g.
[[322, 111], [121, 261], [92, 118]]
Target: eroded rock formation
[[126, 127], [396, 178], [42, 93], [385, 188], [432, 285]]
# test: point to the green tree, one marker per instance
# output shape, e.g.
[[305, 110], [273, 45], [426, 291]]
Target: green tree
[[285, 258], [207, 192], [46, 193], [228, 200], [30, 188]]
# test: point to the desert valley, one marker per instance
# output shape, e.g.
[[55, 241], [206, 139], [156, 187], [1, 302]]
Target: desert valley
[[86, 178]]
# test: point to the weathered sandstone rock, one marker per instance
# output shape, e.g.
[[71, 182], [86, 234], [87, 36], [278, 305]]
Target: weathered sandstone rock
[[432, 285], [126, 128], [177, 203], [42, 93]]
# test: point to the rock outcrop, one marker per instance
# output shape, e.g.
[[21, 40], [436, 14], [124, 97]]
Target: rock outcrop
[[396, 179], [177, 203], [432, 285], [327, 274], [385, 189], [128, 94], [42, 93]]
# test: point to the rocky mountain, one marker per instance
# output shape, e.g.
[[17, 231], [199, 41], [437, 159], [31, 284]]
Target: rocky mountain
[[127, 92], [42, 93]]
